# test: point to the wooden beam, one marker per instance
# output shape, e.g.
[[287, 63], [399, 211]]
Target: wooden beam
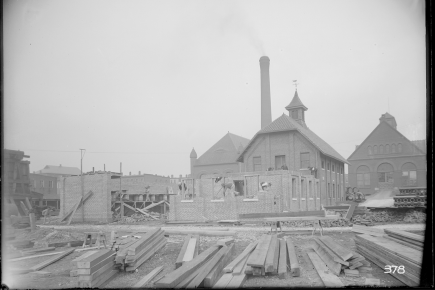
[[245, 253], [331, 253], [349, 213], [216, 272], [153, 205], [282, 266], [326, 257], [238, 279], [180, 258], [175, 277], [190, 250], [276, 257], [258, 256], [31, 257], [328, 279], [293, 259], [72, 209], [142, 282], [146, 256], [240, 266], [268, 265], [339, 250], [223, 281], [95, 258], [303, 218], [368, 230], [44, 264]]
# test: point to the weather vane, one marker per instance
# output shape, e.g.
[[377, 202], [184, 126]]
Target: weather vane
[[295, 83]]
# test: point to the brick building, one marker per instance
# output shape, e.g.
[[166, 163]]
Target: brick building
[[47, 182], [386, 159], [220, 158]]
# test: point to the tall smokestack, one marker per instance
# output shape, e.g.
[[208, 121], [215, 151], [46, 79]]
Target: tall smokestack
[[266, 110]]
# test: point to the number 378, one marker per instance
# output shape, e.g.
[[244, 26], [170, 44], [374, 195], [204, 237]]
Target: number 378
[[391, 269]]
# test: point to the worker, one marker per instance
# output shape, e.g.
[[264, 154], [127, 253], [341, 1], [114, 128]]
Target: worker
[[47, 214], [284, 167]]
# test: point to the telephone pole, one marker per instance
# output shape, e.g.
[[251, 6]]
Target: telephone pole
[[82, 154]]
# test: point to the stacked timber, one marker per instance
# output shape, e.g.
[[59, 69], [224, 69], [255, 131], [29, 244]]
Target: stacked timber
[[189, 250], [95, 269], [405, 238], [201, 271], [338, 258], [401, 261], [136, 251]]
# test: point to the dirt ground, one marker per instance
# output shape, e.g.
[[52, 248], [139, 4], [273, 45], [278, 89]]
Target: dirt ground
[[59, 277]]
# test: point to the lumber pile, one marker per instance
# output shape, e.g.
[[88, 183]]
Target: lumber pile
[[94, 268], [338, 258], [406, 238], [134, 252], [403, 262], [203, 270], [189, 250]]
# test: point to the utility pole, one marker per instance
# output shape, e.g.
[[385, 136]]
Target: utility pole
[[120, 190], [82, 154]]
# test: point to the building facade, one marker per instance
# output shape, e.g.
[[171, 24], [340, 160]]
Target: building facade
[[386, 160]]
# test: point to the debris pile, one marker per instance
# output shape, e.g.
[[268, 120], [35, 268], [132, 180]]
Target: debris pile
[[415, 216], [137, 217]]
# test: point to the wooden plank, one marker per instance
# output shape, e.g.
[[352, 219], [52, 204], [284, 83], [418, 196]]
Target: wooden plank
[[86, 249], [46, 263], [268, 265], [246, 252], [282, 214], [225, 242], [326, 257], [35, 251], [276, 257], [336, 258], [248, 269], [349, 213], [282, 264], [185, 282], [87, 195], [149, 245], [303, 218], [175, 277], [146, 256], [356, 265], [356, 260], [179, 260], [196, 246], [31, 257], [95, 258], [205, 270], [103, 278], [98, 272], [339, 250], [238, 279], [293, 259], [89, 271], [328, 279], [153, 205], [367, 230], [258, 256], [419, 248], [223, 281], [404, 234], [240, 266], [142, 282], [216, 272], [190, 250], [200, 232], [141, 243]]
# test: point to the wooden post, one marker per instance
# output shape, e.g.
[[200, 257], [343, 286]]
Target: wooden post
[[32, 219]]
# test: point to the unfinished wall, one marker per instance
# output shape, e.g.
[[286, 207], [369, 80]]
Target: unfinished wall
[[97, 207], [289, 191]]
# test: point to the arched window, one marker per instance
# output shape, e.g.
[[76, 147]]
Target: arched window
[[375, 149], [363, 176], [409, 174], [381, 149], [370, 150], [399, 147], [393, 148], [387, 149], [385, 173]]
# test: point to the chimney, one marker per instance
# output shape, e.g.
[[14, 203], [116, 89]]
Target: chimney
[[266, 110], [139, 172]]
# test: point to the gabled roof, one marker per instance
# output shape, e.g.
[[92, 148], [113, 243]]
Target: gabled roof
[[421, 144], [224, 151], [285, 123], [296, 103], [193, 153], [64, 170], [400, 134]]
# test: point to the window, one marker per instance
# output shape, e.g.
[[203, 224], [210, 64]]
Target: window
[[385, 173], [387, 149], [329, 189], [375, 149], [393, 148], [328, 166], [333, 167], [399, 147], [238, 187], [323, 164], [333, 190], [257, 163], [58, 184], [305, 160], [50, 184], [409, 174], [363, 176], [381, 149], [279, 161], [370, 150], [42, 183]]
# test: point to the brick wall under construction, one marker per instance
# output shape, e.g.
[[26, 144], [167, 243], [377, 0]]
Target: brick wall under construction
[[289, 191]]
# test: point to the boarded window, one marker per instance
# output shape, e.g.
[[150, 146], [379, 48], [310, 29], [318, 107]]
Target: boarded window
[[305, 160], [279, 161], [257, 163]]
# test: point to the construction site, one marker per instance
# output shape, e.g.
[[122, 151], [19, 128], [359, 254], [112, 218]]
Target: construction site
[[242, 230]]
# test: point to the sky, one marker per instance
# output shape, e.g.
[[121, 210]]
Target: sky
[[144, 82]]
